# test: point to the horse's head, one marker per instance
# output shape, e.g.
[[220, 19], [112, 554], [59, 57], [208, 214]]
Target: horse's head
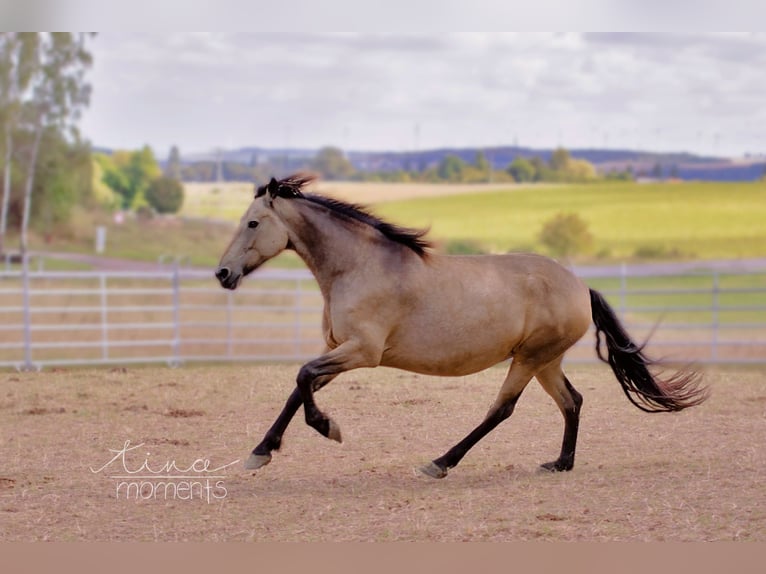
[[260, 236]]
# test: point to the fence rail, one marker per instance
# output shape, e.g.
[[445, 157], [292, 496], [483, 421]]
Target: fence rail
[[179, 315]]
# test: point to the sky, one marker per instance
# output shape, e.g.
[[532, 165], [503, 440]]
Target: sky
[[696, 92]]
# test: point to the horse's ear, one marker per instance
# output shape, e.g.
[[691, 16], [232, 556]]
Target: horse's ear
[[273, 187]]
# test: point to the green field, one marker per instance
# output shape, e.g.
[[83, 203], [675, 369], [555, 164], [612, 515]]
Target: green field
[[670, 221], [628, 221]]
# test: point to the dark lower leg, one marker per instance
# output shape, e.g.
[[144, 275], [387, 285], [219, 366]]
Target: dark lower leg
[[272, 440], [453, 456], [571, 425]]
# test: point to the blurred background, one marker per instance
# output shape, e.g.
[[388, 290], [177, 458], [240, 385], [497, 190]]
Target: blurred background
[[91, 121]]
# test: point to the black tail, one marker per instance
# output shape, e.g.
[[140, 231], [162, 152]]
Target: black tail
[[648, 392]]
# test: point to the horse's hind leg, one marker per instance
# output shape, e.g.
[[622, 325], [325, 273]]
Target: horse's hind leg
[[272, 440], [518, 377], [569, 401]]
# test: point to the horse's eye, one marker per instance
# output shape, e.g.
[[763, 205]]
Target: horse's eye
[[252, 224]]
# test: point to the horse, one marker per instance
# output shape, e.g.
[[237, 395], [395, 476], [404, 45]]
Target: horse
[[391, 300]]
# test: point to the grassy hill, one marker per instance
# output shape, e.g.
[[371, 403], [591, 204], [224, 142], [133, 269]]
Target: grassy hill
[[643, 221]]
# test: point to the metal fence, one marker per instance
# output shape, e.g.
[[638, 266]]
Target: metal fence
[[175, 316], [701, 316]]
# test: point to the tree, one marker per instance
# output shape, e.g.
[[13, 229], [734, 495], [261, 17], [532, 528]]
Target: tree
[[63, 179], [165, 194], [141, 170], [580, 170], [332, 164], [46, 167], [541, 170], [102, 193], [481, 163], [559, 159], [566, 234], [17, 64], [451, 168], [173, 167], [521, 169], [58, 92], [114, 177], [129, 174]]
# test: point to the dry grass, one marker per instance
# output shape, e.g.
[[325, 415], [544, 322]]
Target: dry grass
[[696, 475]]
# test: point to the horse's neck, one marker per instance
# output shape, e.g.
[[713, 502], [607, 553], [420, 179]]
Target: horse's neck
[[329, 248]]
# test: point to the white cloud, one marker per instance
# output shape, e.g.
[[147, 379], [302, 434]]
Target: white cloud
[[369, 91]]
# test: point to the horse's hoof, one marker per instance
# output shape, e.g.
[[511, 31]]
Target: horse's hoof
[[334, 432], [256, 461], [433, 470], [548, 467], [554, 467]]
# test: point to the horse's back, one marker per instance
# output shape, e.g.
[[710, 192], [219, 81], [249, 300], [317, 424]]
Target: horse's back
[[528, 278], [461, 314]]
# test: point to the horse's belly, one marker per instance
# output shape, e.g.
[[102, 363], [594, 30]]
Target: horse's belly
[[444, 358]]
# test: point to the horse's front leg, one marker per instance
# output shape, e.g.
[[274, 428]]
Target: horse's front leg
[[272, 440], [349, 355]]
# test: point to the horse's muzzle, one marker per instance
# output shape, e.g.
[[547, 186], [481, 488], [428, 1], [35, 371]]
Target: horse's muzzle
[[227, 279]]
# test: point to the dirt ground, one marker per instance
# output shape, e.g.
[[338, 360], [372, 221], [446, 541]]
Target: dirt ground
[[691, 476]]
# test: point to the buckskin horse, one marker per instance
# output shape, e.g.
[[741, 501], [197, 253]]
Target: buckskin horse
[[390, 300]]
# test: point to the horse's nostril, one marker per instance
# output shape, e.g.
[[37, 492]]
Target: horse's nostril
[[222, 273]]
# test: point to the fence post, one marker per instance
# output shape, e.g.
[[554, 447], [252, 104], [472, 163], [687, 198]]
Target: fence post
[[104, 317], [28, 365], [176, 280], [716, 318]]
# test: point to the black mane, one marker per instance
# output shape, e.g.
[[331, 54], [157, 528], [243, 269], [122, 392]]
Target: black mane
[[291, 188], [411, 238]]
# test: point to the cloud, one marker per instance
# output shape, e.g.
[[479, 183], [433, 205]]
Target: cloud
[[369, 91]]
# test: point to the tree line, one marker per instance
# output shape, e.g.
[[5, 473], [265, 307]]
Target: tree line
[[332, 163]]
